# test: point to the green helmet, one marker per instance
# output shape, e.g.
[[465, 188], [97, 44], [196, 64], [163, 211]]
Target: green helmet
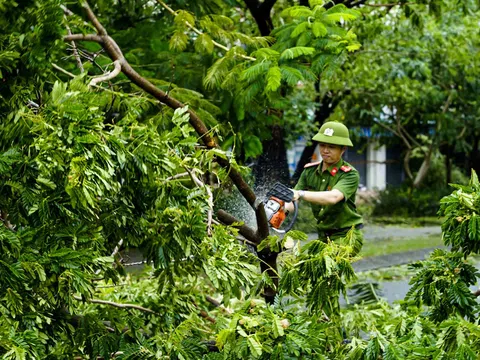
[[335, 133]]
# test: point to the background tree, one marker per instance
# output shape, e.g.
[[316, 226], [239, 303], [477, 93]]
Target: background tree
[[410, 80]]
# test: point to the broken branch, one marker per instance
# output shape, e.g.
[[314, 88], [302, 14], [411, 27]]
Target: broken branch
[[82, 37], [245, 230], [117, 305], [108, 76]]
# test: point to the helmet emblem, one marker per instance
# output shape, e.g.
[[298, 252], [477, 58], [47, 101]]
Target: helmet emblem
[[328, 132]]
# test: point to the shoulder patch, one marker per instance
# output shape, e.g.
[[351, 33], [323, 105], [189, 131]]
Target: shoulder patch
[[346, 168], [312, 164]]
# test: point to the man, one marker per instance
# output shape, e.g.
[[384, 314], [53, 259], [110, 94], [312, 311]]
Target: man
[[330, 187]]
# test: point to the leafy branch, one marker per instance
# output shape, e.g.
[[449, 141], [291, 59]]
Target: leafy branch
[[198, 32], [116, 54], [114, 304], [109, 75]]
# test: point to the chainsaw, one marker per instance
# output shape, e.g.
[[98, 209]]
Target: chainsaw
[[274, 205]]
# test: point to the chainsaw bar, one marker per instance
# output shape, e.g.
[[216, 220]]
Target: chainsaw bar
[[281, 192]]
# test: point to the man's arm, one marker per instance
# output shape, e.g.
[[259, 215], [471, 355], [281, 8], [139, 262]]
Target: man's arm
[[343, 190], [317, 197], [331, 197]]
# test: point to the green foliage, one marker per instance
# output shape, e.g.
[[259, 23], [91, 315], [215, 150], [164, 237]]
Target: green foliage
[[75, 185], [442, 282], [404, 201], [462, 221], [321, 272], [257, 331]]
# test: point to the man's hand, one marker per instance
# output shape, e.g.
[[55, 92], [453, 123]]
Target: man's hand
[[296, 195]]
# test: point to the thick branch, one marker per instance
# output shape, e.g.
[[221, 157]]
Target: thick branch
[[91, 16], [218, 304], [399, 132], [406, 164], [6, 222], [108, 76], [243, 229], [177, 176], [422, 172], [82, 37], [55, 66], [402, 130], [66, 10], [393, 131], [267, 5], [111, 303], [263, 229], [117, 248]]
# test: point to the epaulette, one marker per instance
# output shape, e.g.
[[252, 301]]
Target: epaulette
[[345, 168], [312, 164]]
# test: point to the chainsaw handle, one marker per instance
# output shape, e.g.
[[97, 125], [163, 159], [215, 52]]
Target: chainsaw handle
[[292, 221]]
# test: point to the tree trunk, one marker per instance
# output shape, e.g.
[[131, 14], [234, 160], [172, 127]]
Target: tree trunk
[[305, 158], [447, 150], [269, 264], [406, 164], [448, 166], [272, 165], [474, 156], [261, 14], [422, 172]]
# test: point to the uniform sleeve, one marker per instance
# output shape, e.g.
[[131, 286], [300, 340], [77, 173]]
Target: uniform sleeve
[[348, 184], [302, 182]]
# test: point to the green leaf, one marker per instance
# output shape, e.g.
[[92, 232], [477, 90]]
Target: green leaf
[[274, 77], [58, 92], [178, 41], [299, 29], [255, 347], [277, 327], [474, 228], [204, 44], [47, 182], [353, 47], [295, 52], [184, 17], [252, 146], [254, 71], [318, 29]]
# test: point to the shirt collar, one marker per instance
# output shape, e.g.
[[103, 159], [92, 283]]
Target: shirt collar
[[333, 169]]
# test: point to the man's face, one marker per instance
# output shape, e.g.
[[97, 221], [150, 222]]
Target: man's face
[[331, 154]]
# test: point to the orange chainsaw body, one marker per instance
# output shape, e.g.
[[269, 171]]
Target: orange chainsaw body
[[278, 215]]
